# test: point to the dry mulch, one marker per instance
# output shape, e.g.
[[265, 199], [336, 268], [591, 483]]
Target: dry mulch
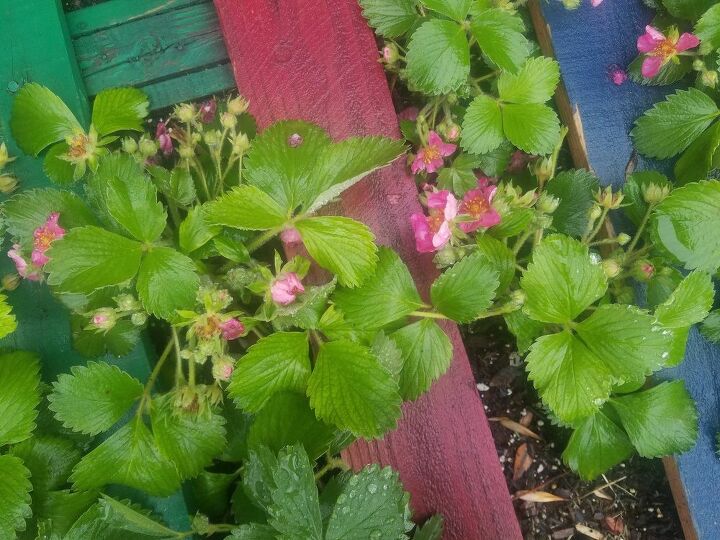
[[630, 502]]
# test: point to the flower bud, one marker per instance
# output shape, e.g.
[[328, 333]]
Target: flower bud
[[611, 268], [10, 282], [129, 145], [4, 156], [228, 120], [450, 130], [595, 212], [699, 65], [447, 256], [643, 270], [201, 525], [571, 4], [547, 204], [543, 169], [212, 137], [240, 143], [103, 319], [390, 53], [147, 147], [237, 105], [139, 318], [709, 78], [518, 297], [654, 194], [185, 112], [127, 302], [186, 151], [290, 236], [607, 199], [8, 183], [223, 368], [623, 239]]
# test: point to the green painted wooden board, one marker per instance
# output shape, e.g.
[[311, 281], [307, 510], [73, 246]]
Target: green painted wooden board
[[38, 48]]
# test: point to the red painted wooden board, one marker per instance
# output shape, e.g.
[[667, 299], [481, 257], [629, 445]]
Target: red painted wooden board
[[316, 60]]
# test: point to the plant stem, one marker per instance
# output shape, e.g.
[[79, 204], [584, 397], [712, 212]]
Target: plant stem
[[191, 374], [520, 242], [179, 375], [428, 314], [598, 226], [263, 239], [331, 464], [153, 377], [640, 230]]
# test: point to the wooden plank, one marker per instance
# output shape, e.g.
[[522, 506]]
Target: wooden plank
[[151, 49], [190, 86], [317, 60], [587, 41], [38, 48]]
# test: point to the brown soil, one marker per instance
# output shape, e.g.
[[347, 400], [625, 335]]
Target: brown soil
[[630, 502]]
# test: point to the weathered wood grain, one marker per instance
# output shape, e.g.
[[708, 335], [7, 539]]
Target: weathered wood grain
[[317, 60], [587, 41]]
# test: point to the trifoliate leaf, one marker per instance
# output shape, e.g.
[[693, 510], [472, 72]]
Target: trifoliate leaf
[[390, 18], [482, 127], [455, 9], [561, 281], [89, 258], [685, 225], [525, 329], [689, 304], [500, 36], [687, 9], [295, 509], [190, 439], [697, 161], [386, 296], [710, 327], [350, 389], [129, 457], [534, 82], [40, 118], [660, 421], [131, 200], [634, 204], [495, 162], [162, 266], [459, 176], [246, 207], [287, 419], [372, 504], [280, 361], [568, 377], [8, 322], [708, 28], [20, 396], [672, 125], [500, 257], [466, 289], [426, 355], [342, 245], [596, 445], [576, 191], [438, 57], [14, 496], [129, 518], [532, 127], [29, 210], [119, 109]]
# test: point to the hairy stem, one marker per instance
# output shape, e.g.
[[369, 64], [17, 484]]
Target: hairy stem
[[153, 377]]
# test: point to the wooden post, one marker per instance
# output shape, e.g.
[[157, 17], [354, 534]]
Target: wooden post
[[317, 60], [587, 41]]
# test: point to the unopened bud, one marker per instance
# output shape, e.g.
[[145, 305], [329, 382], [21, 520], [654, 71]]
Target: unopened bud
[[4, 156], [127, 302], [129, 145], [547, 203], [10, 282], [237, 106], [595, 212], [186, 151], [643, 270], [654, 194], [241, 143], [607, 199], [543, 169], [185, 112], [623, 239], [446, 256], [147, 147], [709, 78], [8, 183], [139, 318], [518, 297], [611, 268], [698, 65], [223, 368], [228, 120], [390, 53], [103, 319], [212, 137]]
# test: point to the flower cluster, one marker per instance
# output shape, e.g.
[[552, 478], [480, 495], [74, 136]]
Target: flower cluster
[[43, 237]]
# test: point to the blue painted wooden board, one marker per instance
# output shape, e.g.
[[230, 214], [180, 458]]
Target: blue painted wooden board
[[586, 42]]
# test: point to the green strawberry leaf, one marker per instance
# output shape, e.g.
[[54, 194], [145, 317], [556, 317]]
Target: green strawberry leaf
[[595, 445], [99, 387], [697, 161], [708, 28], [687, 9], [14, 496], [459, 176], [280, 361], [161, 266], [390, 18], [534, 82], [426, 355], [246, 207], [432, 529], [499, 257], [58, 170], [482, 126], [689, 303], [386, 296], [194, 231], [131, 519], [500, 36], [342, 245], [455, 9], [119, 109], [532, 127], [8, 322], [350, 389], [659, 421], [561, 281], [40, 118], [50, 461], [576, 191], [525, 329], [710, 327], [90, 258], [120, 340], [20, 397], [672, 125], [438, 57]]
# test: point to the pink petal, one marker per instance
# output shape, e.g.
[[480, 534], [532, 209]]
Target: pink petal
[[687, 41], [418, 164], [451, 208], [490, 218], [447, 149], [650, 66], [596, 3], [434, 165], [442, 236], [654, 33], [438, 199], [421, 230], [20, 263], [434, 139], [39, 258], [646, 43]]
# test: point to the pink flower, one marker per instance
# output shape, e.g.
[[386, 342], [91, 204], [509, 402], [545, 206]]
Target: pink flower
[[290, 236], [477, 203], [432, 232], [295, 140], [430, 157], [207, 111], [22, 266], [43, 237], [163, 138], [284, 290], [596, 3], [617, 74], [659, 48], [232, 329], [223, 368]]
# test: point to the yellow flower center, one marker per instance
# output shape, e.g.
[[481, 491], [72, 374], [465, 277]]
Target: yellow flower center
[[664, 49], [430, 154]]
